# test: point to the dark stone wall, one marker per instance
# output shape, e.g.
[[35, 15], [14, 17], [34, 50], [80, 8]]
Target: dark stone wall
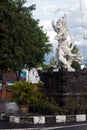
[[66, 86]]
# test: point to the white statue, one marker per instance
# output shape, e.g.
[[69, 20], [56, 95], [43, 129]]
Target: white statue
[[34, 76], [31, 76], [66, 44]]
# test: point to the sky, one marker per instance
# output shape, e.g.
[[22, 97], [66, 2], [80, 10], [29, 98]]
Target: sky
[[76, 12]]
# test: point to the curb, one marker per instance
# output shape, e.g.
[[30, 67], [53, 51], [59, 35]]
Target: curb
[[48, 119]]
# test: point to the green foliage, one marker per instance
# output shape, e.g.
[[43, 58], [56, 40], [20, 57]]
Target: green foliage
[[74, 50], [45, 67], [40, 84], [73, 108], [76, 65], [52, 61], [27, 93], [22, 40], [46, 105]]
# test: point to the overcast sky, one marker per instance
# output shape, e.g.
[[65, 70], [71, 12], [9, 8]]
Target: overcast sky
[[49, 10]]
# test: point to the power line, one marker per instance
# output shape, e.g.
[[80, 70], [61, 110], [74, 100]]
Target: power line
[[82, 19], [83, 33], [85, 38]]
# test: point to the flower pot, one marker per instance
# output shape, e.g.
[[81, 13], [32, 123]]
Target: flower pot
[[23, 109]]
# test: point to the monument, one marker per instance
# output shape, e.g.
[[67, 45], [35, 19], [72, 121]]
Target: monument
[[68, 87], [64, 52]]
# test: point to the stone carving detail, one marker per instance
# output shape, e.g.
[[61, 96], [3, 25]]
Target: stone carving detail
[[65, 45]]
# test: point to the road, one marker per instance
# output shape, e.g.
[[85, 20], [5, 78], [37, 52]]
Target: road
[[71, 127], [9, 126]]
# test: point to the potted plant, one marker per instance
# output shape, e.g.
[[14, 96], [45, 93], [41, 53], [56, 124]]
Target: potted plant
[[24, 94]]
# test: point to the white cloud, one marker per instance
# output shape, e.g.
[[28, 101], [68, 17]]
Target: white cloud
[[46, 24]]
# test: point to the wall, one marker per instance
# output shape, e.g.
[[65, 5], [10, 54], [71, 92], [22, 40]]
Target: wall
[[66, 86]]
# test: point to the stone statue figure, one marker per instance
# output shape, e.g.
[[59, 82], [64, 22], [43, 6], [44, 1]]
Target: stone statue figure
[[65, 45], [34, 76]]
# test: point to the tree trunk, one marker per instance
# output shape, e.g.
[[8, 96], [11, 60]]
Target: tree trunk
[[3, 87]]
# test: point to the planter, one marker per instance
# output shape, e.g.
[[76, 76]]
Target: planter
[[23, 109]]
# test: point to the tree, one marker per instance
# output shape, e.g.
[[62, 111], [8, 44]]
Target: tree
[[22, 41], [52, 61], [75, 64]]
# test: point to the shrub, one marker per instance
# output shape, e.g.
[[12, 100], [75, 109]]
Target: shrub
[[27, 93]]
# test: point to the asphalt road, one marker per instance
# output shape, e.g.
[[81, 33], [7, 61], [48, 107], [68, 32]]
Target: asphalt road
[[8, 125], [70, 127]]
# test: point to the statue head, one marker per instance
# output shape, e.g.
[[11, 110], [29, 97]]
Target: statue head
[[61, 24]]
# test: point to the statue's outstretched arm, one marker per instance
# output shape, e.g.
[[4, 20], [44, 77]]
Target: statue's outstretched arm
[[54, 27]]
